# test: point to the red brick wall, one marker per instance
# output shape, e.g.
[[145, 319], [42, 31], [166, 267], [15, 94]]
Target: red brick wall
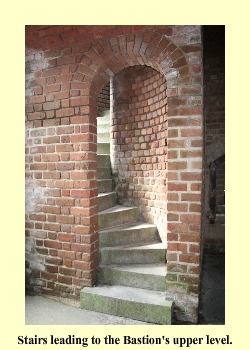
[[103, 101], [61, 222], [66, 69], [139, 142]]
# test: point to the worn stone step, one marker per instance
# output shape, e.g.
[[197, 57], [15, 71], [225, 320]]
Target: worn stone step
[[103, 173], [117, 216], [103, 148], [138, 304], [103, 137], [128, 234], [105, 185], [106, 200], [103, 128], [150, 253], [103, 160], [148, 276]]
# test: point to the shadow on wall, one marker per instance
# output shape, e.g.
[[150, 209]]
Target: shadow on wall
[[139, 142]]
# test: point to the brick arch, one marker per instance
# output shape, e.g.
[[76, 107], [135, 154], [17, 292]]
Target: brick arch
[[72, 59], [108, 56], [105, 58]]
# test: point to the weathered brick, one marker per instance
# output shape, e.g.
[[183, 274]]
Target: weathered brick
[[190, 218], [52, 227], [177, 187], [65, 279], [191, 133], [191, 176], [64, 78], [36, 115], [49, 276], [50, 157], [64, 148], [66, 219], [67, 271], [66, 237], [51, 72], [157, 140], [66, 254], [64, 112], [54, 260], [52, 244], [38, 166], [65, 130], [195, 207], [175, 246], [37, 217], [79, 101], [177, 207], [83, 193], [51, 139], [191, 197], [51, 105], [52, 268], [177, 165], [51, 209], [64, 201], [189, 258], [51, 88]]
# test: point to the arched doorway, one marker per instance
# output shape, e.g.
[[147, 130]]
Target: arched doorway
[[184, 144], [63, 168]]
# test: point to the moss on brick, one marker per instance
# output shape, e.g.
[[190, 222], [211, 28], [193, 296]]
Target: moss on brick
[[171, 277], [177, 287]]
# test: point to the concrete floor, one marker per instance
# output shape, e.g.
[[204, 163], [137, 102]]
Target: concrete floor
[[41, 310]]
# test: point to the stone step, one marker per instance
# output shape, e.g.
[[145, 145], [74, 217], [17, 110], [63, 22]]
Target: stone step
[[116, 216], [103, 148], [103, 160], [128, 234], [105, 185], [138, 304], [148, 276], [106, 200], [103, 137], [103, 173], [146, 253], [132, 269], [103, 128]]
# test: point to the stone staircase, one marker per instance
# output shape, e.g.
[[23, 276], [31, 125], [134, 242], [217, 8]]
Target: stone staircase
[[132, 266]]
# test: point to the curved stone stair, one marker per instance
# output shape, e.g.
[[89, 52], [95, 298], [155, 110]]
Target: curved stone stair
[[143, 276], [132, 272]]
